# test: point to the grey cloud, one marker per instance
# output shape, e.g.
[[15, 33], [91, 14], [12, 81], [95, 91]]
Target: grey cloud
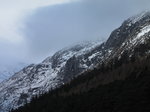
[[49, 29]]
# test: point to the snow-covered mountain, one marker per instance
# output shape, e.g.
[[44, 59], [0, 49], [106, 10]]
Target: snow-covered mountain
[[129, 40], [6, 71], [49, 74]]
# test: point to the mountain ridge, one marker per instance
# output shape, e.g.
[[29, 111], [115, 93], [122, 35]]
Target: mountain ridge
[[128, 41]]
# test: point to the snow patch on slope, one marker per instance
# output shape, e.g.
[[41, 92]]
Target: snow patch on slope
[[142, 32], [145, 30]]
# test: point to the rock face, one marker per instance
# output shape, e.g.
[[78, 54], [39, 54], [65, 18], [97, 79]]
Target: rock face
[[129, 40]]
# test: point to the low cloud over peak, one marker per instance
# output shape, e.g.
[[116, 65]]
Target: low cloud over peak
[[35, 29]]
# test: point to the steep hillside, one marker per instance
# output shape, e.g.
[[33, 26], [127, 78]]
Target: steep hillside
[[130, 41], [118, 89], [40, 78]]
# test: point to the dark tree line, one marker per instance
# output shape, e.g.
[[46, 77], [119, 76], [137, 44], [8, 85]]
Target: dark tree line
[[117, 87]]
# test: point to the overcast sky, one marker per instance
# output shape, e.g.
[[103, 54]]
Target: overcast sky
[[31, 30]]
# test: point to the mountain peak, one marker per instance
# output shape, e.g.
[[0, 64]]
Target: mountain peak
[[133, 27], [139, 16]]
